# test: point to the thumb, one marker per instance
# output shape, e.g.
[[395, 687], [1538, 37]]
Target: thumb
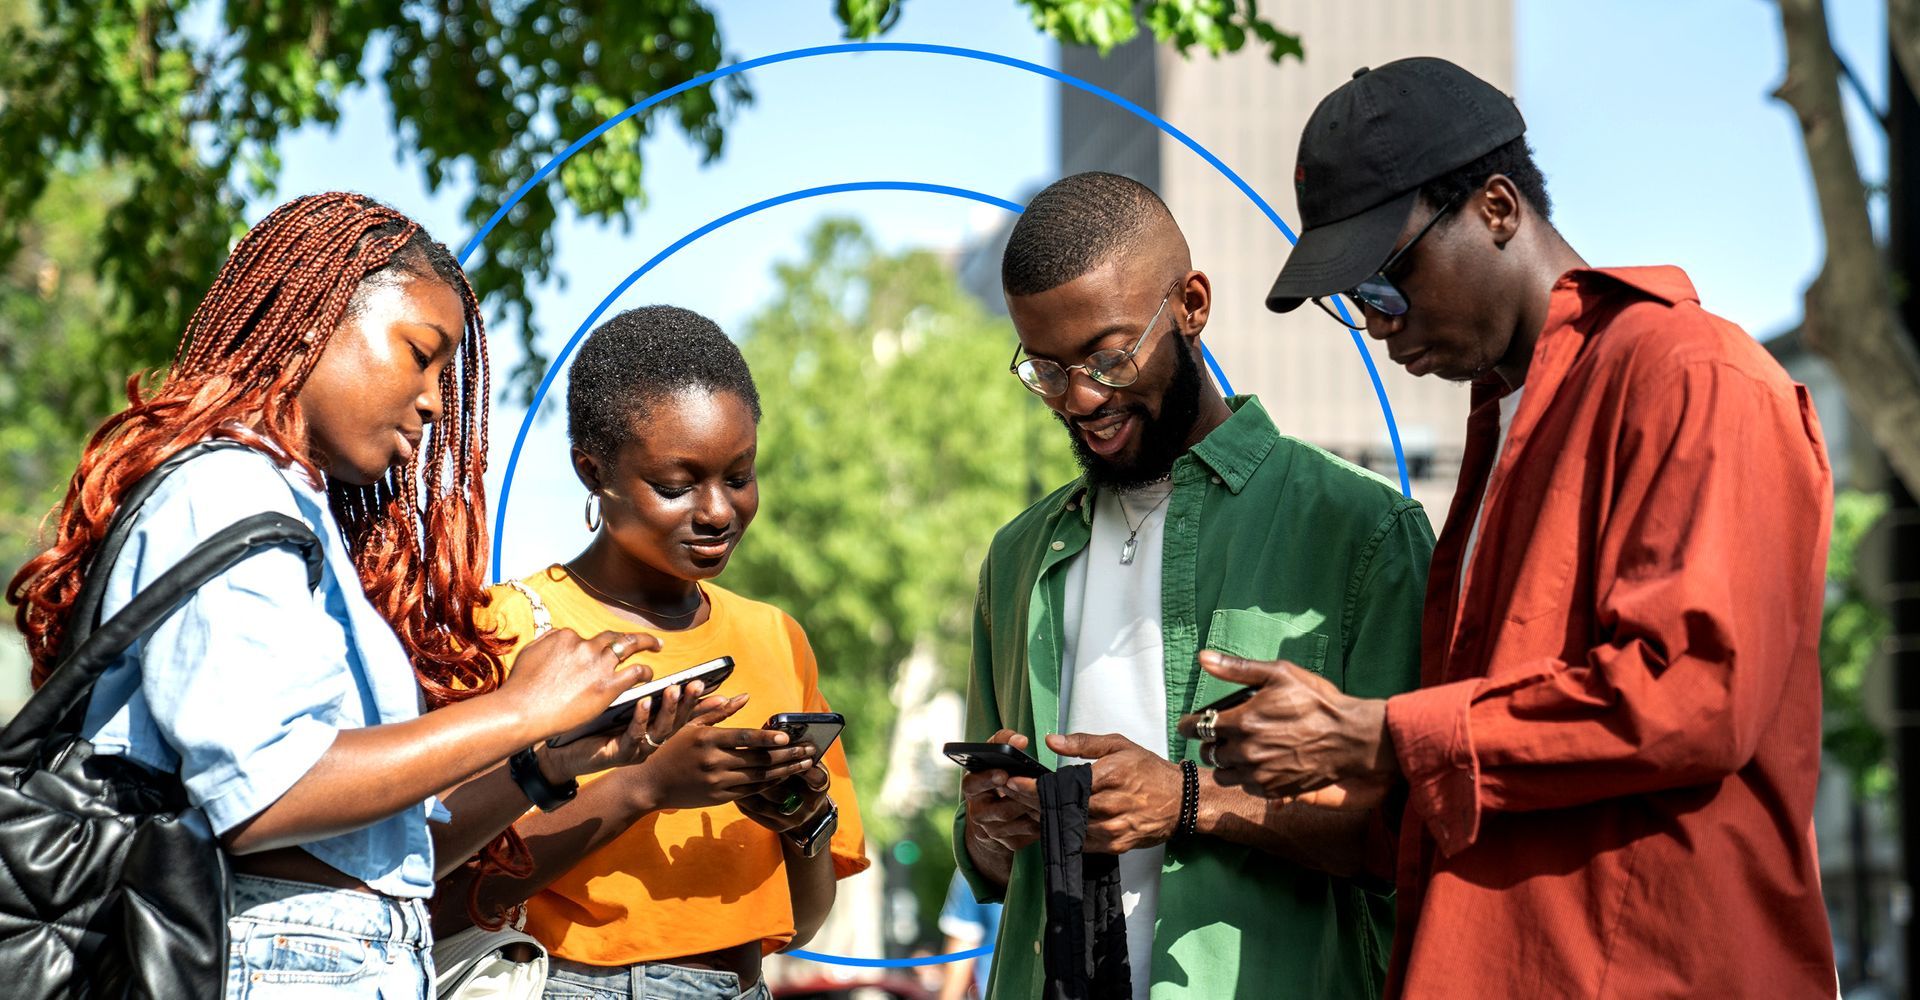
[[1085, 746], [1253, 673], [715, 711]]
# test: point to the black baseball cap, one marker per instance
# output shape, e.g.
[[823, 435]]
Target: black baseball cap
[[1363, 156]]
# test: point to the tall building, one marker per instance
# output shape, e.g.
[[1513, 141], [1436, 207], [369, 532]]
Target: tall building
[[1249, 112]]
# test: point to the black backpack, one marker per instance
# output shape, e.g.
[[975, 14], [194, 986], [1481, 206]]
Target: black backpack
[[105, 890]]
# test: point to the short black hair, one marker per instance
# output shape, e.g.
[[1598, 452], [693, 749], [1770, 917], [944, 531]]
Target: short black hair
[[1072, 226], [639, 357], [1515, 160]]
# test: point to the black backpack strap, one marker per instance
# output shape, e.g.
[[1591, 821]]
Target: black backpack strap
[[85, 613], [56, 709], [59, 706]]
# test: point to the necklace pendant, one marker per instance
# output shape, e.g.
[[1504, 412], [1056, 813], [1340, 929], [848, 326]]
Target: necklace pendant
[[1127, 550]]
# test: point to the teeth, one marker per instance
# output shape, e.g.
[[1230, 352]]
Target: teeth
[[1107, 433]]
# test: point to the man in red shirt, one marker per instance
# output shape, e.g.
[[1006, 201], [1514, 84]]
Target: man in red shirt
[[1605, 784]]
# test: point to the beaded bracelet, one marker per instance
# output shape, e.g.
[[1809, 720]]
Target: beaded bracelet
[[1189, 800]]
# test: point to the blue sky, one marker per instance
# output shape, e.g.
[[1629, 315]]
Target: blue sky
[[1651, 119]]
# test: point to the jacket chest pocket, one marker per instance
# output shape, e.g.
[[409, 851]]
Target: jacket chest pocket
[[1263, 635]]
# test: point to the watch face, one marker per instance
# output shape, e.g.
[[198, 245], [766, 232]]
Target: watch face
[[822, 832]]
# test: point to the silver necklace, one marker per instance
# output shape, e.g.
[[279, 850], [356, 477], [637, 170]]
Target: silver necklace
[[1133, 530], [666, 621]]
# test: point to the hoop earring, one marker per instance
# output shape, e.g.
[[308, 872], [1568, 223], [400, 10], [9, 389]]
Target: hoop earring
[[593, 512]]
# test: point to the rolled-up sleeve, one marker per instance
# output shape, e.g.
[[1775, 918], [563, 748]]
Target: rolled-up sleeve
[[1699, 623], [248, 680]]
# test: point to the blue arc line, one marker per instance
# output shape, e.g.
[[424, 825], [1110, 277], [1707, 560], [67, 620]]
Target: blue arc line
[[1379, 388], [893, 963], [553, 369]]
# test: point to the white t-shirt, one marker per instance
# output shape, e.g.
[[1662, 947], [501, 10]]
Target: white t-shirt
[[1509, 403], [1112, 671]]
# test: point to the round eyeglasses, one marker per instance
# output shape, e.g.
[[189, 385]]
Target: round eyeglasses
[[1113, 367]]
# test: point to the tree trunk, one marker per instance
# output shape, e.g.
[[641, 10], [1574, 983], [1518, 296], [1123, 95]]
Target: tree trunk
[[1851, 318]]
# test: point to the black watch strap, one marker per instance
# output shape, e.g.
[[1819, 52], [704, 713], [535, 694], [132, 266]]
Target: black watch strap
[[816, 837], [525, 768]]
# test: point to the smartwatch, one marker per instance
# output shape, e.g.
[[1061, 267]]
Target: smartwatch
[[814, 839], [525, 769]]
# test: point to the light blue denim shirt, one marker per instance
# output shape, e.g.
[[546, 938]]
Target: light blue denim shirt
[[244, 688]]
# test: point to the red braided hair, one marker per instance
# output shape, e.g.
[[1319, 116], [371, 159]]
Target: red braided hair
[[243, 360]]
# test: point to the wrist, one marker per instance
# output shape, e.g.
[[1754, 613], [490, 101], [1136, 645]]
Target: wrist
[[510, 707], [553, 765], [1377, 759], [642, 796]]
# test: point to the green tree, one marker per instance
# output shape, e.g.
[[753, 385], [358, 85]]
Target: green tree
[[140, 129], [1853, 631], [894, 444]]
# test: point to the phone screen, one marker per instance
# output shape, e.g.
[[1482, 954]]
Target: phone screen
[[818, 728]]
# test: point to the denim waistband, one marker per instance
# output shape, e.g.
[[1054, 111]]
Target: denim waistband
[[651, 978], [402, 922]]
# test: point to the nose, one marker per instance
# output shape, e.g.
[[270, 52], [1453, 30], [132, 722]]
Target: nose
[[1084, 394], [429, 402], [715, 511], [1379, 325]]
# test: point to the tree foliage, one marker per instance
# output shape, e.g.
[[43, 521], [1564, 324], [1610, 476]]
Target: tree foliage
[[1853, 633], [894, 445]]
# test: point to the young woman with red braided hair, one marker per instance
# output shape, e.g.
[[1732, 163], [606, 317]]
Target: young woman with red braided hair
[[342, 349]]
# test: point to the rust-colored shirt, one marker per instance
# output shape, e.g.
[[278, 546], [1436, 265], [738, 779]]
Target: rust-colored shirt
[[1612, 759]]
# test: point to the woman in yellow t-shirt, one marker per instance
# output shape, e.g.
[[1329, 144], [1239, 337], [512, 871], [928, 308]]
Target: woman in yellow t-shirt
[[675, 877]]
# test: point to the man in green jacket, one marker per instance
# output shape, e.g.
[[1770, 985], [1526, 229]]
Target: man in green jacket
[[1196, 525]]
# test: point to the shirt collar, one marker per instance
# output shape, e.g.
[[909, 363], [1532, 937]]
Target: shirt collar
[[1233, 451], [1665, 282]]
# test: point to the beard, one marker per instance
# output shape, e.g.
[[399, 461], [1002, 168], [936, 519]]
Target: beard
[[1162, 439]]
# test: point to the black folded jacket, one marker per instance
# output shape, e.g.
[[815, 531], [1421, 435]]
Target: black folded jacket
[[1086, 938]]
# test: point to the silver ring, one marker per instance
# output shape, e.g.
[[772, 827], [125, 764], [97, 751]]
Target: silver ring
[[647, 738], [1206, 755], [1204, 728], [618, 648]]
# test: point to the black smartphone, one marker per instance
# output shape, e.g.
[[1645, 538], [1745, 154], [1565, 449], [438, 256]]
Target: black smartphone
[[620, 713], [977, 757], [1231, 699], [818, 728]]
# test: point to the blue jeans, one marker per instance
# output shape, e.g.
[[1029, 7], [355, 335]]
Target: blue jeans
[[575, 981], [294, 939]]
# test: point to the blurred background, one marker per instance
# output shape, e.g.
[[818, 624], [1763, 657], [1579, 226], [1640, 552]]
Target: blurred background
[[139, 138]]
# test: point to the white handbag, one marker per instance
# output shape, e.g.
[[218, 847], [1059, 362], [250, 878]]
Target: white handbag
[[475, 965]]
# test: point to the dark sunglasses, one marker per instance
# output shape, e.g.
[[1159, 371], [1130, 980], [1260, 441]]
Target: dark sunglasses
[[1378, 292]]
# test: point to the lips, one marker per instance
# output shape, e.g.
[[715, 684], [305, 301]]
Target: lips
[[711, 548], [409, 445], [1106, 436]]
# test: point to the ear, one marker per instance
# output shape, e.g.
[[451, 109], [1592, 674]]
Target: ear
[[587, 467], [1500, 207], [1195, 296]]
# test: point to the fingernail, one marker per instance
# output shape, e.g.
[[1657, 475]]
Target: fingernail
[[779, 739]]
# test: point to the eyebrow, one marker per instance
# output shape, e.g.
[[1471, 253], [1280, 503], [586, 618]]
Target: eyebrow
[[1085, 347]]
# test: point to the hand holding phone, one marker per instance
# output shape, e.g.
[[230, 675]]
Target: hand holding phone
[[1231, 699], [617, 715], [1003, 806]]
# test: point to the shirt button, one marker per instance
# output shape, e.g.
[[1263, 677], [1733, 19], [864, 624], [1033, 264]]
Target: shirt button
[[1216, 480], [1057, 546], [1073, 505], [1036, 947]]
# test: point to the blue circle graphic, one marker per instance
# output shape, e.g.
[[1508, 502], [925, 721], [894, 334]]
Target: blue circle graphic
[[1373, 373], [553, 368]]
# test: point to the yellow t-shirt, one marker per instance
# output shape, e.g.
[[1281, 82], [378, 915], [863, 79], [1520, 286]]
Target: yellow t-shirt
[[685, 881]]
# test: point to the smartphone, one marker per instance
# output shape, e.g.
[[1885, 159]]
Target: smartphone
[[977, 757], [1230, 700], [620, 713], [818, 728]]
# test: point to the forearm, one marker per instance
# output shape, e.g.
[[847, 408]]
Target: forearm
[[1329, 840], [371, 773], [811, 882]]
